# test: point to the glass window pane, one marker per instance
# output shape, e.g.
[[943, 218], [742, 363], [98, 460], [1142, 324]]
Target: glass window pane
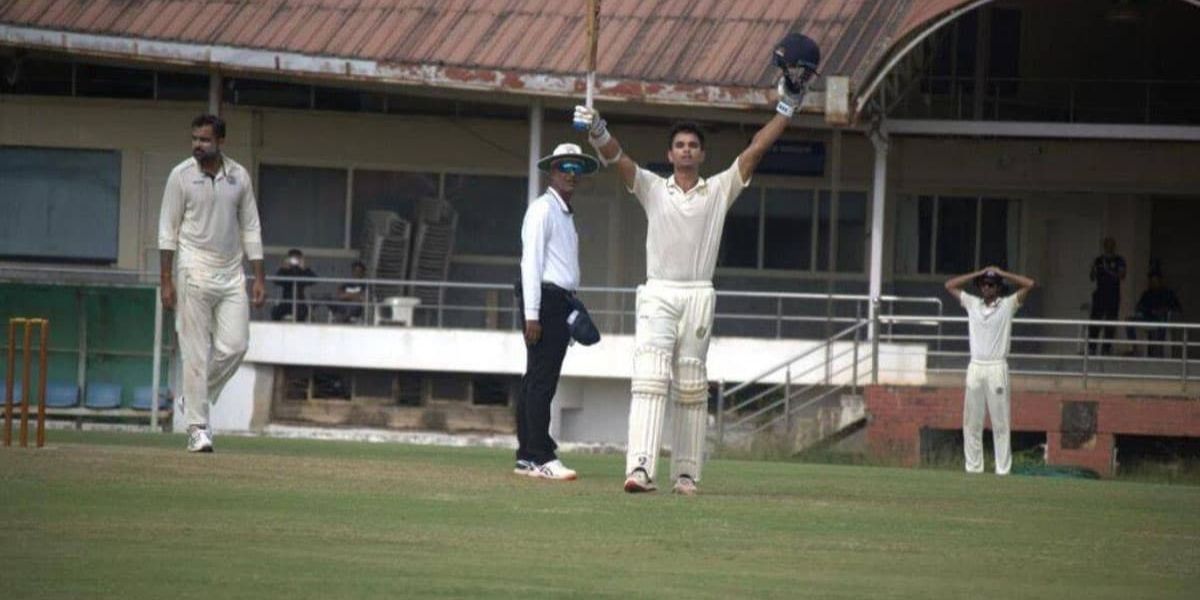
[[956, 234], [182, 86], [739, 244], [59, 203], [344, 99], [852, 232], [994, 242], [823, 217], [257, 92], [113, 82], [302, 206], [397, 191], [907, 252], [490, 211], [31, 76], [788, 237], [925, 232]]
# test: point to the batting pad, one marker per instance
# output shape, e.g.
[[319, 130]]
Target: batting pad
[[651, 382], [689, 419], [692, 380], [651, 371]]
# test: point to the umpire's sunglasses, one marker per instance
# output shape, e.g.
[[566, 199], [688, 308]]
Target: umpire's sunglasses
[[569, 166]]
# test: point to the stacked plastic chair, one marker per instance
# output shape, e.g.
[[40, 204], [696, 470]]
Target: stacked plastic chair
[[387, 238], [437, 221]]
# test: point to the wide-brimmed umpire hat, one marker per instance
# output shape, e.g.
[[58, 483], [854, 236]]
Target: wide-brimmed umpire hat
[[571, 152]]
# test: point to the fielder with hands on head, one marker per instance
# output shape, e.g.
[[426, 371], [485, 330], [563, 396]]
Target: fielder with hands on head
[[989, 324], [686, 215], [549, 279], [208, 223]]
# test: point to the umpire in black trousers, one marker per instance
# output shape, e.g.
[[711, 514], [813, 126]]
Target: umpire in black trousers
[[549, 276]]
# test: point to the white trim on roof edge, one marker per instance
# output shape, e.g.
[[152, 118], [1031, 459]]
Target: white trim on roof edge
[[428, 75]]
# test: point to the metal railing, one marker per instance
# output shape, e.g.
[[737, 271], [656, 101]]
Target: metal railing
[[493, 306], [752, 406], [1066, 347], [1039, 347]]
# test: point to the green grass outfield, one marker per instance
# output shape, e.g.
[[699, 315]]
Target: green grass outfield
[[110, 515]]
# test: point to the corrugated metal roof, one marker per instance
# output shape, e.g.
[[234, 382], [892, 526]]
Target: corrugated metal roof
[[724, 44]]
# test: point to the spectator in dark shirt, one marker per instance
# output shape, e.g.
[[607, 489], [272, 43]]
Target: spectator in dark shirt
[[1158, 304], [292, 292], [350, 292], [1108, 271]]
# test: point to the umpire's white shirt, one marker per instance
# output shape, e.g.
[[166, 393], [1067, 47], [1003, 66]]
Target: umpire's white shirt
[[990, 327], [684, 230], [549, 249]]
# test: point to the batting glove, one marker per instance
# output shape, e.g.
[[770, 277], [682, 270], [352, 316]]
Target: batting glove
[[789, 100], [597, 127]]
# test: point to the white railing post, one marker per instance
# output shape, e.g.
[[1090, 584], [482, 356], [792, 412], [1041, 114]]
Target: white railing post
[[787, 398], [720, 416]]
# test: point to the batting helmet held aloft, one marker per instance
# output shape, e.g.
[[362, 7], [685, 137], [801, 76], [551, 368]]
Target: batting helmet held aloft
[[797, 50], [798, 56]]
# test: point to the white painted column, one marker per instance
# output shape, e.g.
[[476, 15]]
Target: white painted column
[[535, 149], [156, 361], [878, 198], [214, 93]]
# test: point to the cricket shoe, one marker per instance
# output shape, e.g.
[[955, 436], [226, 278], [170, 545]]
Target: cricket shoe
[[638, 481], [685, 486], [556, 470], [199, 440], [525, 468]]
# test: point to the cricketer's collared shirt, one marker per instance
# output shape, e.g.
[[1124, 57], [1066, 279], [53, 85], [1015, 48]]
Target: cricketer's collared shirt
[[549, 249], [210, 222], [684, 231], [989, 327]]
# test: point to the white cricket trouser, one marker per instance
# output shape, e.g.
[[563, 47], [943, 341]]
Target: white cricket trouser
[[674, 326], [987, 388], [212, 319]]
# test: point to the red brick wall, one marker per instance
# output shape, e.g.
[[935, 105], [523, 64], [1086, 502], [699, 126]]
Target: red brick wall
[[898, 413]]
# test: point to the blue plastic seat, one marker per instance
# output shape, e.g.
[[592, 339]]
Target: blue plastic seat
[[102, 396], [60, 394], [141, 398], [16, 393]]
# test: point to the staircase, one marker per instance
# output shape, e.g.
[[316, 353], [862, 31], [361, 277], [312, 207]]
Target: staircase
[[811, 399]]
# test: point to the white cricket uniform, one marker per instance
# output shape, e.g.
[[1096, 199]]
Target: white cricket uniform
[[675, 316], [549, 250], [987, 387], [211, 223]]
